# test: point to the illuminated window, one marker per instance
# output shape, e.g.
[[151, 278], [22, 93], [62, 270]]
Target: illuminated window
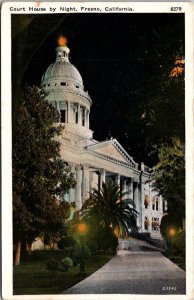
[[146, 223], [146, 201]]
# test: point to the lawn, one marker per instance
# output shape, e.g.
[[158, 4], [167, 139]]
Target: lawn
[[32, 278]]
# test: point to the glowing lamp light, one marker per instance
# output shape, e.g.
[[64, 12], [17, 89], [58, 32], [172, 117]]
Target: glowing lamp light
[[116, 232], [62, 41], [172, 232], [82, 228]]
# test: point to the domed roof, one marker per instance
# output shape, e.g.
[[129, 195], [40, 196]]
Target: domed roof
[[63, 70]]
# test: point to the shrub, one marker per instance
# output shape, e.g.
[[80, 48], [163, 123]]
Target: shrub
[[66, 242], [80, 254], [53, 265], [93, 245], [109, 241], [102, 239], [179, 242], [80, 251], [169, 221], [66, 263]]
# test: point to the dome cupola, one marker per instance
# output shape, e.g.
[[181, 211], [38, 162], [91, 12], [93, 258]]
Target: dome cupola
[[63, 85], [62, 70]]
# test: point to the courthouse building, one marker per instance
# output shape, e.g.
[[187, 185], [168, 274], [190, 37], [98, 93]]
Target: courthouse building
[[93, 162]]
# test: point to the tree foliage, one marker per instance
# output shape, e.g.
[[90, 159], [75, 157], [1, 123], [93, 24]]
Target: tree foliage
[[40, 177], [108, 208], [169, 176]]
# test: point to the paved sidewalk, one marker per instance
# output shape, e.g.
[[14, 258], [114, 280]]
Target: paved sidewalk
[[141, 270]]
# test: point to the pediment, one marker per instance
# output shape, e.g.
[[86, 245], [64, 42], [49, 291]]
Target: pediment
[[112, 149]]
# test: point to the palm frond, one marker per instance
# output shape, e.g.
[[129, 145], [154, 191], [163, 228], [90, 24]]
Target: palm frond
[[109, 206]]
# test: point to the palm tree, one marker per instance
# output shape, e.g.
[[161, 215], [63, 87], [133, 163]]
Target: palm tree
[[108, 208]]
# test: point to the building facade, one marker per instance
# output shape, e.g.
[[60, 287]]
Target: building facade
[[93, 162]]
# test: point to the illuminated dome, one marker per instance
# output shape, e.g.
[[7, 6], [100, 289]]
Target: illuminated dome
[[62, 70]]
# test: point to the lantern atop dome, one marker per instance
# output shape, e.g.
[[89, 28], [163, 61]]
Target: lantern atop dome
[[62, 51]]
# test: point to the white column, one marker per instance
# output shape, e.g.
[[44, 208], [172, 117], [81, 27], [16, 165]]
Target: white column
[[141, 205], [102, 177], [86, 183], [131, 189], [71, 115], [87, 118], [91, 181], [72, 191], [79, 115], [151, 199], [118, 179], [166, 205], [124, 188], [136, 201], [78, 198], [88, 121], [58, 106], [85, 122], [136, 195], [160, 203]]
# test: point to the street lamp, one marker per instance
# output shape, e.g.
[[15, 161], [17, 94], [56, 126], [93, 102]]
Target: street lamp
[[172, 234], [82, 228]]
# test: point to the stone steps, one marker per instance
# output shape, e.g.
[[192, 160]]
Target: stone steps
[[156, 235]]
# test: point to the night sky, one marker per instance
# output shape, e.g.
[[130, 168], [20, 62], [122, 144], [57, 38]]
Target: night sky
[[121, 58]]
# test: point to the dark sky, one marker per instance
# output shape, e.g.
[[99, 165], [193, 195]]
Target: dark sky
[[121, 58]]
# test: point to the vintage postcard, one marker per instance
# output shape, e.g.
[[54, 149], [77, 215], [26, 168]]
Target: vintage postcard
[[97, 150]]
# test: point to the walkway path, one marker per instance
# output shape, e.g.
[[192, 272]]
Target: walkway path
[[140, 270]]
